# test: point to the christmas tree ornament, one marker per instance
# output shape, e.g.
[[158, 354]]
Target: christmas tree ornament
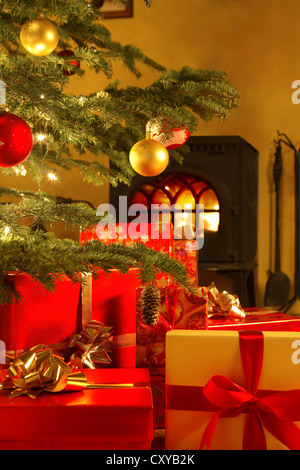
[[15, 140], [39, 37], [150, 304], [73, 62], [149, 157], [170, 138]]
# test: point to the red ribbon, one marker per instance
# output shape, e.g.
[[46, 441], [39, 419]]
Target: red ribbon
[[274, 411]]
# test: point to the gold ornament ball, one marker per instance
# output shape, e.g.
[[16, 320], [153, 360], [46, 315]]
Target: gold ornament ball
[[39, 37], [149, 157]]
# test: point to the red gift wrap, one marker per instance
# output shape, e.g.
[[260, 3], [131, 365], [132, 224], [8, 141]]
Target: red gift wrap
[[112, 300], [91, 419], [156, 236], [225, 312], [186, 252], [180, 309], [159, 237], [256, 319], [41, 316]]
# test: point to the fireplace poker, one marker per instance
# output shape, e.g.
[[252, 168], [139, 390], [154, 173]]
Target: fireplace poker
[[296, 295], [278, 284]]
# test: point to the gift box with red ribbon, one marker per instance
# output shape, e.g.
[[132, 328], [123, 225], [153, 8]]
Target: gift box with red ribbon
[[255, 319], [41, 316], [112, 410], [111, 299], [156, 236], [224, 312], [180, 309], [186, 252], [233, 390]]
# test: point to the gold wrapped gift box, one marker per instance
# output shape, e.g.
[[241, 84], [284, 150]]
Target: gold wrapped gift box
[[195, 358]]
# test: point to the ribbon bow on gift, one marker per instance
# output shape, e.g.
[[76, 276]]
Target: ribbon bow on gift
[[274, 411], [37, 370], [92, 346], [223, 303]]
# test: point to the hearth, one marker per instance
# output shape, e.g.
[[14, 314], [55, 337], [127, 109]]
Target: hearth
[[222, 173]]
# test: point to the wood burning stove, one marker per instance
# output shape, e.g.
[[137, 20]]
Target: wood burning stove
[[220, 172]]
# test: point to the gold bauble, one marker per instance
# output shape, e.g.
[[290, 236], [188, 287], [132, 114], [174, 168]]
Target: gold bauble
[[39, 37], [149, 157]]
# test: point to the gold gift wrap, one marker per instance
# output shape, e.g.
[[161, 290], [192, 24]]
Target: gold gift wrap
[[194, 357]]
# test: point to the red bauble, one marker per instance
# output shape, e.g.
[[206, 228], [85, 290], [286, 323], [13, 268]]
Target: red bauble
[[15, 140], [178, 138], [74, 62]]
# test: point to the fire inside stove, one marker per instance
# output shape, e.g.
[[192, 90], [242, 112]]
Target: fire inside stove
[[186, 191]]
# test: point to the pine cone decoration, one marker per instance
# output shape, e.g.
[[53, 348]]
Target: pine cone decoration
[[150, 304]]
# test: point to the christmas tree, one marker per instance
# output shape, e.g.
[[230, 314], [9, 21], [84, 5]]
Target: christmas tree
[[66, 127]]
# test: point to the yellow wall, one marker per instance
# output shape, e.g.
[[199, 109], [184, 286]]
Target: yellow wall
[[257, 44]]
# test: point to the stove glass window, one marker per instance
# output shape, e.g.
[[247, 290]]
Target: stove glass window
[[186, 191]]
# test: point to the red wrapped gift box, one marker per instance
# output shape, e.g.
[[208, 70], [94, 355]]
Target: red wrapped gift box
[[180, 310], [190, 312], [156, 236], [92, 419], [186, 252], [113, 302], [256, 319], [41, 316]]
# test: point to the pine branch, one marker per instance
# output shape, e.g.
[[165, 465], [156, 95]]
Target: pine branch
[[46, 259], [47, 212]]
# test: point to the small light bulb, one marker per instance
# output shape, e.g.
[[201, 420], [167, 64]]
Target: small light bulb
[[6, 230], [52, 177], [23, 170], [41, 137], [42, 97]]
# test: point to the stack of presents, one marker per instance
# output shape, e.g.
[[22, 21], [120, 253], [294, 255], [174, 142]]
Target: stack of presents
[[81, 370]]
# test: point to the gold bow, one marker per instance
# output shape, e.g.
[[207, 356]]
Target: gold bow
[[93, 346], [37, 370]]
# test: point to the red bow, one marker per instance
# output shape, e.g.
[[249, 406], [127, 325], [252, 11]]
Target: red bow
[[274, 411]]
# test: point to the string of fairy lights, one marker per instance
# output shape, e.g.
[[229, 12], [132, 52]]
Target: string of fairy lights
[[39, 137]]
